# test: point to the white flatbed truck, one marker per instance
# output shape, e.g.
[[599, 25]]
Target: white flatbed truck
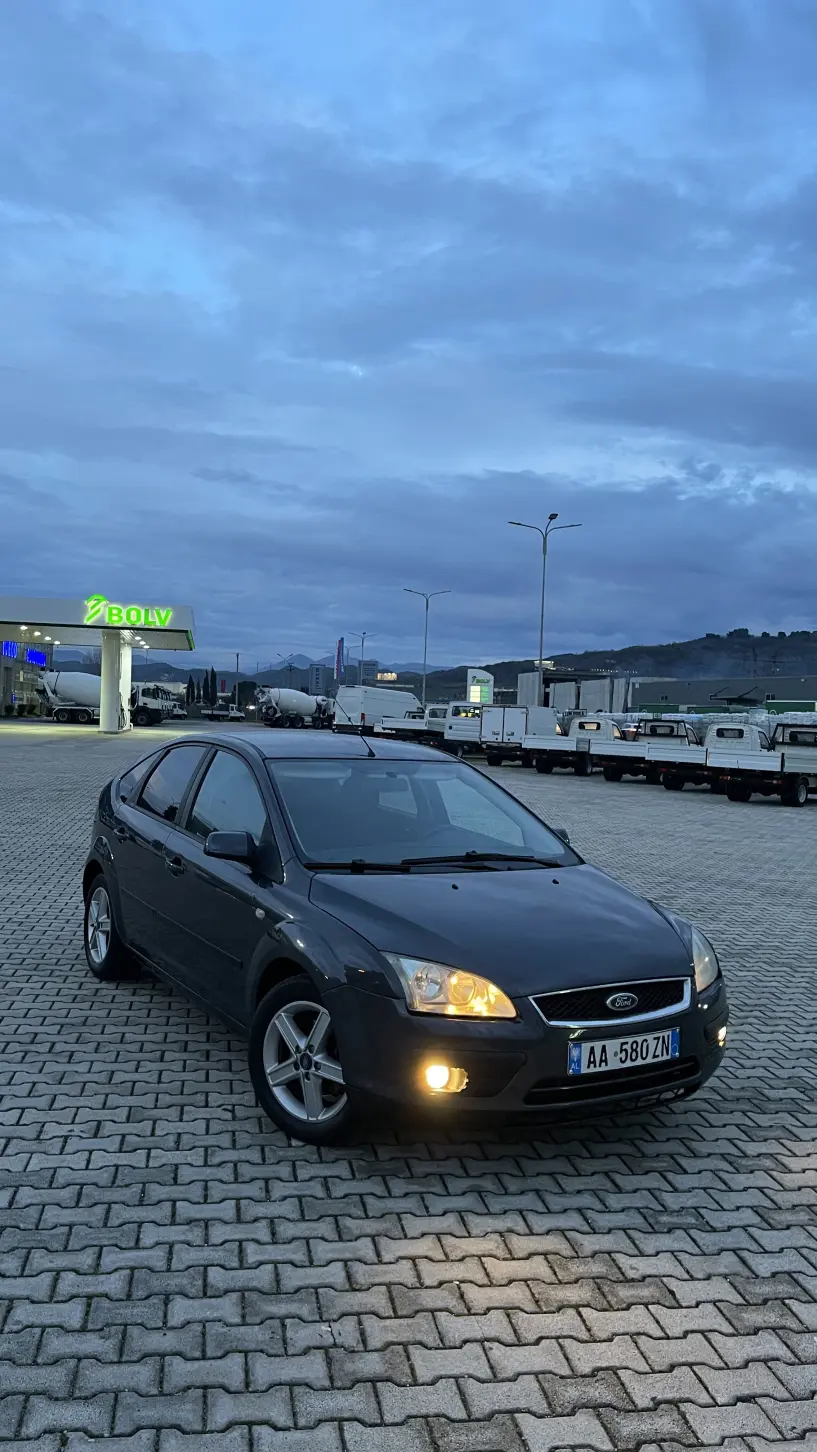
[[453, 727]]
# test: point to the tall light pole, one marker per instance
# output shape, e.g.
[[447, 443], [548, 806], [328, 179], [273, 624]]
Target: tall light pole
[[545, 533], [287, 659], [362, 636], [428, 596]]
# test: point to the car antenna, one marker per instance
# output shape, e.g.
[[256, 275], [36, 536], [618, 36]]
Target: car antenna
[[366, 743]]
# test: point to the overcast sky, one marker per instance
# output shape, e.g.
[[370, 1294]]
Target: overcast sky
[[302, 302]]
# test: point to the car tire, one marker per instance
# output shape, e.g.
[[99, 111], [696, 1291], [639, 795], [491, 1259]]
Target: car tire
[[737, 791], [308, 1106], [141, 718], [583, 767], [492, 759], [61, 716], [672, 782], [105, 953], [543, 766], [83, 718], [795, 793], [612, 773]]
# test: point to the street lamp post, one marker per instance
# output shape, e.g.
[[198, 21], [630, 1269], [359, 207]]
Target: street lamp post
[[428, 596], [362, 636], [545, 533]]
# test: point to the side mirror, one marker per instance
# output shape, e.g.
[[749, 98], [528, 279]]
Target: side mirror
[[560, 832], [230, 846]]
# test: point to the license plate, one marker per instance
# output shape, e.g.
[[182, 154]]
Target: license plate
[[600, 1056]]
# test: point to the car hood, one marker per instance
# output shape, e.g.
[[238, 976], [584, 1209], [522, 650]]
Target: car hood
[[527, 930]]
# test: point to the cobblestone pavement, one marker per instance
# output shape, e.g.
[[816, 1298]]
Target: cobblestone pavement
[[176, 1276]]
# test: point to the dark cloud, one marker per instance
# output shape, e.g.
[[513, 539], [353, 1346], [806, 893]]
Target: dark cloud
[[298, 310]]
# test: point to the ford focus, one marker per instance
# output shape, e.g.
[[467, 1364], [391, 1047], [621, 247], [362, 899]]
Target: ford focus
[[388, 926]]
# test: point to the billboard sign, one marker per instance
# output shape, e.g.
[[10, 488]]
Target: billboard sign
[[479, 687]]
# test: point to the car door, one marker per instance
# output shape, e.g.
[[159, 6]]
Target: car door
[[216, 920], [144, 814]]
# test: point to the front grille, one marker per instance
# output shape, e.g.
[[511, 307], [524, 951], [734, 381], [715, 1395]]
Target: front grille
[[589, 1005], [672, 1078]]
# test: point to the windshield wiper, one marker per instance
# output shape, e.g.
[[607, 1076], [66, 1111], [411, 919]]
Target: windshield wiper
[[359, 864], [487, 857]]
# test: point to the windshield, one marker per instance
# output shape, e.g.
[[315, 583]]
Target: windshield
[[382, 811]]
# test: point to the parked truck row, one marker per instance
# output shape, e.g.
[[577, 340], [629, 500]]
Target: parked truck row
[[735, 757]]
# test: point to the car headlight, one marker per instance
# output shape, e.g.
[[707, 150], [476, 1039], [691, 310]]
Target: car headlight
[[433, 988], [705, 961]]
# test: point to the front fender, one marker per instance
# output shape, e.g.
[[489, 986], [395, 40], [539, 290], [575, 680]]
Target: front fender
[[329, 961]]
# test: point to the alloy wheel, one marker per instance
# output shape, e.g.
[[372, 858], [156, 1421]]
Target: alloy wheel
[[301, 1063], [99, 926]]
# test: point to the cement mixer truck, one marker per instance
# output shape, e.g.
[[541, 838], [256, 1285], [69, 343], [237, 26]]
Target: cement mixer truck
[[73, 696], [282, 706]]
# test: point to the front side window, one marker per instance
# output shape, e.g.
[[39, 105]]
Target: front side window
[[342, 811], [228, 800], [167, 783]]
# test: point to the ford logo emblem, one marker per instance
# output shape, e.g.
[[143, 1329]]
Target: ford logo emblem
[[622, 1002]]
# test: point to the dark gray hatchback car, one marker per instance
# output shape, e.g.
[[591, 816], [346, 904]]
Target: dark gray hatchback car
[[385, 923]]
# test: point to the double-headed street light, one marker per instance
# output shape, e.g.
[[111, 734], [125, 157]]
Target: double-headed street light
[[548, 529], [428, 596], [362, 636]]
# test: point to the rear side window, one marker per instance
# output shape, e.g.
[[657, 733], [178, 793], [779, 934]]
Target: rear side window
[[130, 783], [167, 783], [228, 800], [729, 733]]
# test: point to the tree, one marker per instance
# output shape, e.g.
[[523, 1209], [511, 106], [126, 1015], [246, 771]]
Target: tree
[[213, 687], [198, 692], [205, 688], [190, 692]]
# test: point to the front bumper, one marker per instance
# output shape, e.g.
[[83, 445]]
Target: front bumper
[[517, 1067]]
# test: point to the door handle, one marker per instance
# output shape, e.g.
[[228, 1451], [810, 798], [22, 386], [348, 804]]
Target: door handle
[[174, 865]]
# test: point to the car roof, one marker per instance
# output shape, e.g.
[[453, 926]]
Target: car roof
[[316, 745]]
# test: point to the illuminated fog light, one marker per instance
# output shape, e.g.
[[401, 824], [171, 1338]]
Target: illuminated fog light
[[444, 1079], [721, 1037]]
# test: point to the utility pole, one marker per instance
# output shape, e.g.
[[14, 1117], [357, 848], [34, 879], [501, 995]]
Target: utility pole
[[428, 596], [545, 533], [362, 636], [237, 655]]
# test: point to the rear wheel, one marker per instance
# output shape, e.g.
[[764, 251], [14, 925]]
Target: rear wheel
[[83, 718], [582, 766], [738, 791], [795, 793], [61, 716], [295, 1065], [492, 758], [672, 782], [543, 766], [612, 773], [141, 718], [106, 954]]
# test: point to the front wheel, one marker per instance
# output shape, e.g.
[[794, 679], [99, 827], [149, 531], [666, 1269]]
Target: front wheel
[[61, 716], [673, 783], [141, 718], [612, 773], [795, 793], [105, 952], [295, 1065]]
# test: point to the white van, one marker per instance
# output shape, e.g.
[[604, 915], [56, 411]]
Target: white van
[[363, 707]]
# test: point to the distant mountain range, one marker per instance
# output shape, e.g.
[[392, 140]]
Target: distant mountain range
[[738, 653]]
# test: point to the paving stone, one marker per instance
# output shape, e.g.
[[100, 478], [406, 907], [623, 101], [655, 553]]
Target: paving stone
[[583, 1429]]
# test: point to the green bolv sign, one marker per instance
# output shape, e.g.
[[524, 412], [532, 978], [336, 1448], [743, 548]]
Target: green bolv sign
[[101, 611]]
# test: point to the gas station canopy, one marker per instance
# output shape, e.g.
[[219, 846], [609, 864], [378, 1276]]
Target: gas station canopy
[[116, 626], [81, 622]]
